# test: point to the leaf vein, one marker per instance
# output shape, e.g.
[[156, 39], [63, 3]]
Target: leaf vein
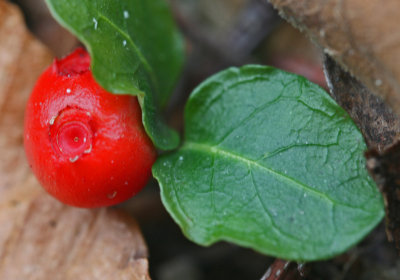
[[229, 154], [249, 117], [142, 59], [212, 184], [300, 145], [266, 211]]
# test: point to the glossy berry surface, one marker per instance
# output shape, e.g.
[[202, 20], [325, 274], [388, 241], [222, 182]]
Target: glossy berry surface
[[86, 146]]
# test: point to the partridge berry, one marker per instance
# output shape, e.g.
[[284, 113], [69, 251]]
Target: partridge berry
[[86, 146]]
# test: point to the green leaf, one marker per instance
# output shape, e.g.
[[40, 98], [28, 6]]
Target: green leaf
[[269, 162], [135, 49]]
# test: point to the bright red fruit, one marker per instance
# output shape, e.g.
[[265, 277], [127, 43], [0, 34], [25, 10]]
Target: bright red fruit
[[87, 147]]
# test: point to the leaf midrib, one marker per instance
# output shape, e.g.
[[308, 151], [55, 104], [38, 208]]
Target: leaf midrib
[[229, 154], [142, 59]]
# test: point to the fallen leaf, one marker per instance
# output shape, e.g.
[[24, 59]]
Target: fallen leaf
[[40, 238], [41, 23], [362, 36]]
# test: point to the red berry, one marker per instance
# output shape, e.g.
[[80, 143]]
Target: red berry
[[87, 147]]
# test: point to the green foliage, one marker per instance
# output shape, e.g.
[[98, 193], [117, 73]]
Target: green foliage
[[270, 162], [135, 49]]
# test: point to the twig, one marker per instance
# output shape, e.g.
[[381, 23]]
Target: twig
[[284, 270]]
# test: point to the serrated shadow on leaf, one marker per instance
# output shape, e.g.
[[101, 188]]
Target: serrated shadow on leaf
[[269, 162], [135, 49]]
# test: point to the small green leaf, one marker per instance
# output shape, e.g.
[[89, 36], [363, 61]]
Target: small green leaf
[[269, 162], [135, 49]]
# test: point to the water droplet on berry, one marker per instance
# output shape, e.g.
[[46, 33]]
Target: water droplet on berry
[[53, 118], [88, 150], [112, 195], [75, 158], [68, 90]]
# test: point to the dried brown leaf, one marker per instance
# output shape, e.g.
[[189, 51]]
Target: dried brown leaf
[[362, 36], [41, 238], [46, 28], [378, 124]]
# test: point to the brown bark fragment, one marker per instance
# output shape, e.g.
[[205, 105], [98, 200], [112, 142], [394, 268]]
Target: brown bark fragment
[[385, 170], [41, 238], [362, 36], [378, 124]]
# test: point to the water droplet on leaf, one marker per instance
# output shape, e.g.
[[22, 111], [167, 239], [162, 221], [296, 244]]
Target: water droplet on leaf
[[95, 23]]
